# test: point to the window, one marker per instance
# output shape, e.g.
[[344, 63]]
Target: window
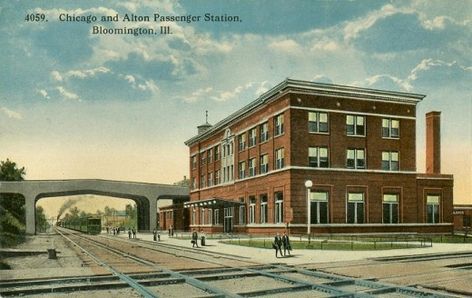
[[242, 214], [318, 157], [202, 216], [432, 209], [242, 170], [210, 179], [210, 155], [252, 167], [390, 128], [252, 209], [252, 137], [217, 153], [264, 132], [216, 216], [279, 124], [193, 216], [242, 141], [279, 207], [355, 208], [194, 183], [264, 163], [194, 162], [279, 158], [202, 181], [317, 122], [355, 159], [202, 158], [210, 216], [390, 161], [263, 208], [355, 125], [319, 207], [217, 177], [390, 208]]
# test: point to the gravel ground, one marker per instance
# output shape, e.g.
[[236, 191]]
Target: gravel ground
[[68, 263], [92, 294]]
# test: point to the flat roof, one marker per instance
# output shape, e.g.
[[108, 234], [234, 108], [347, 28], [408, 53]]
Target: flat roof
[[314, 88]]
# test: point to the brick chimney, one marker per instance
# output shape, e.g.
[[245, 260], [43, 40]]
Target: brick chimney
[[433, 142]]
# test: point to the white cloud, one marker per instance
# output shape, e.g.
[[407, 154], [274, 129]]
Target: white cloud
[[263, 87], [329, 46], [149, 85], [385, 81], [56, 76], [287, 46], [67, 94], [427, 64], [322, 79], [82, 74], [353, 28], [198, 94], [256, 88], [44, 93], [130, 79], [11, 114]]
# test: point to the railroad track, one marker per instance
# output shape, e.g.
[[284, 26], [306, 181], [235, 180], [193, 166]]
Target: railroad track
[[138, 267]]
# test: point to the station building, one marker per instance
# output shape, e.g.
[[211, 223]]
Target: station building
[[320, 157]]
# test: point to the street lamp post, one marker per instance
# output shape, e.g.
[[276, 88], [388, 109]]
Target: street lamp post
[[308, 185]]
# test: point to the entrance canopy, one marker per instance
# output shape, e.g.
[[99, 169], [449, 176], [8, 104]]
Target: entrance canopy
[[212, 203]]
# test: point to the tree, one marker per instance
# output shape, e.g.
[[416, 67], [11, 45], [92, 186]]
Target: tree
[[12, 206], [41, 221]]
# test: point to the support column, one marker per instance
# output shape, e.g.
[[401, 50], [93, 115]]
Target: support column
[[152, 213], [30, 215]]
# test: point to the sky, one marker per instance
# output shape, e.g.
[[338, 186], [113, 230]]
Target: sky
[[79, 105]]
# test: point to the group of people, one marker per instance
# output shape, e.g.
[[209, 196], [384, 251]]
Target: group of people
[[132, 232], [113, 230], [280, 242]]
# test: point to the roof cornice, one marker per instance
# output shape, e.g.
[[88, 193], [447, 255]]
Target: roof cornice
[[315, 89]]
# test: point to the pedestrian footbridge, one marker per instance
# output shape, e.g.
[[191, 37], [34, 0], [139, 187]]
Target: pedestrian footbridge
[[145, 195]]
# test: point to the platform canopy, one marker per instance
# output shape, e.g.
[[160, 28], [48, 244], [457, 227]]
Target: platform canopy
[[213, 203]]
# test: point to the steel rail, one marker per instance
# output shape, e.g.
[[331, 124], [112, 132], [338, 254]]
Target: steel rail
[[188, 279], [133, 283]]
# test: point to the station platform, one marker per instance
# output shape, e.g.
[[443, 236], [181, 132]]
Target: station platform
[[301, 256]]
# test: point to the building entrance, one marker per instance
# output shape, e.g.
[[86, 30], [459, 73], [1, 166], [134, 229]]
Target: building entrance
[[228, 219]]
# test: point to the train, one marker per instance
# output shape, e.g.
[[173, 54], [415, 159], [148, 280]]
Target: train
[[90, 225]]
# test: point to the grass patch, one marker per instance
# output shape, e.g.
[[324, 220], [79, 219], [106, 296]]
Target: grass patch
[[327, 244], [451, 239]]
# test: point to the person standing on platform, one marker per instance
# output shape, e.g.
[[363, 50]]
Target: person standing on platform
[[129, 233], [154, 235], [286, 244], [277, 245], [194, 239]]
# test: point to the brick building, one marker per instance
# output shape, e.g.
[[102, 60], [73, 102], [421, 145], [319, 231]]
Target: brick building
[[462, 216], [356, 146]]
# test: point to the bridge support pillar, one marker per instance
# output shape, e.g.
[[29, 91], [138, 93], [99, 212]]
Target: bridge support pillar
[[30, 215], [152, 214]]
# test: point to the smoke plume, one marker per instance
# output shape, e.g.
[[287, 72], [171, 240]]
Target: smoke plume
[[67, 204]]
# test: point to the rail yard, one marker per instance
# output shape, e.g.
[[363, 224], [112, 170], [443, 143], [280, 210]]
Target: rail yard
[[110, 266]]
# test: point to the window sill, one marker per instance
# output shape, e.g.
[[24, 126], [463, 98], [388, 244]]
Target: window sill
[[318, 133], [356, 136], [279, 135]]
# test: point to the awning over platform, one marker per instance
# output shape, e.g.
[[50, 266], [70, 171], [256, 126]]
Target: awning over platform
[[212, 203]]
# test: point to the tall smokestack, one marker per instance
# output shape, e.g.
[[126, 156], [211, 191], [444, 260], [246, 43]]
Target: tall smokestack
[[433, 142]]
